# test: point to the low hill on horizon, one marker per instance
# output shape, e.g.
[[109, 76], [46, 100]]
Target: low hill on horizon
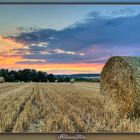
[[80, 75]]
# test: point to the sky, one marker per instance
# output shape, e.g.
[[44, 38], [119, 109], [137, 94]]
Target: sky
[[67, 39]]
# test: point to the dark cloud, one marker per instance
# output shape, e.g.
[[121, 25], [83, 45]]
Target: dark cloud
[[97, 37], [35, 36], [36, 49], [54, 57], [30, 62]]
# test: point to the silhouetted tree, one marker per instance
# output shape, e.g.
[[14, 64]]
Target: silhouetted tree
[[51, 78]]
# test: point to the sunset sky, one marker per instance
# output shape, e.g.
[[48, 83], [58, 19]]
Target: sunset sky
[[67, 39]]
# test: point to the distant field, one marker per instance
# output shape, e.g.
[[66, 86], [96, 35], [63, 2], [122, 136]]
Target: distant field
[[59, 107]]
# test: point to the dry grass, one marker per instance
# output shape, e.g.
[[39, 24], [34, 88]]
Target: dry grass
[[60, 107]]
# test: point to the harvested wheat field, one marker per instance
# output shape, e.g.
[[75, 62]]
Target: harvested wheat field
[[59, 107]]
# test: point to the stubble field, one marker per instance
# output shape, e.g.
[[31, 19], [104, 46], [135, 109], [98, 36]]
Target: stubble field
[[59, 107]]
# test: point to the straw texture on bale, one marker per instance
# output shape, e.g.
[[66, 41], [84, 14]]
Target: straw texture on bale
[[2, 80], [120, 80]]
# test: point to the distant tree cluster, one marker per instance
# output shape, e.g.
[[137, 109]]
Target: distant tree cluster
[[28, 75], [63, 78], [25, 75], [87, 80]]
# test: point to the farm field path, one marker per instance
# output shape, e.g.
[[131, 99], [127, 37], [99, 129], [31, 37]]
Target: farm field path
[[44, 107]]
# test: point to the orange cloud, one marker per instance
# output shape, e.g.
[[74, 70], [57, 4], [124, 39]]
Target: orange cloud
[[7, 44], [7, 55], [64, 68]]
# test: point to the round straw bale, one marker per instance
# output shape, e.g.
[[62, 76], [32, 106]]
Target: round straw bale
[[2, 79], [72, 80], [120, 80]]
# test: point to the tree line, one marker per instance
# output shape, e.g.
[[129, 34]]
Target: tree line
[[28, 75]]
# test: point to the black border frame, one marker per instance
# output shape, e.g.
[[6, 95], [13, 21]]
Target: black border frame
[[51, 136]]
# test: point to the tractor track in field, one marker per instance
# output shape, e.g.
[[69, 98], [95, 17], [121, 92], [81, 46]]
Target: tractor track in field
[[35, 123], [34, 126], [47, 101], [21, 109]]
